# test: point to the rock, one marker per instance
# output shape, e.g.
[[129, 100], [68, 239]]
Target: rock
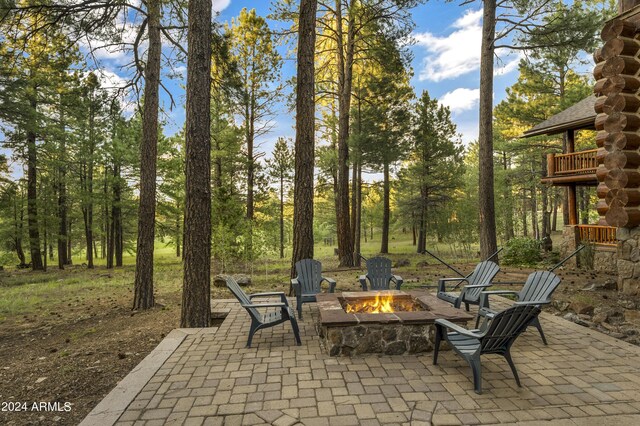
[[396, 348], [335, 336], [608, 326], [610, 284], [616, 335], [600, 317], [218, 281], [570, 316], [242, 280], [401, 262], [422, 264], [632, 316], [582, 307], [560, 305], [419, 343], [40, 379]]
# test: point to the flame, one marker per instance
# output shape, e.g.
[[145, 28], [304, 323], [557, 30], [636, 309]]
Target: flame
[[381, 304]]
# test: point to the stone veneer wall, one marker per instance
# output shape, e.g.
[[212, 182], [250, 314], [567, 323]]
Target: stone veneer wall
[[604, 258], [629, 260], [388, 339]]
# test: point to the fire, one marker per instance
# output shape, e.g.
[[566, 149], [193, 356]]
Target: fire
[[381, 304]]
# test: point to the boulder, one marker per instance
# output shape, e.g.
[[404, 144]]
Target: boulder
[[632, 316], [583, 308], [242, 280], [401, 262]]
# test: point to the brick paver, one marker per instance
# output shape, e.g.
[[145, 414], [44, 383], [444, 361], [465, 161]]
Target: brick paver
[[582, 377]]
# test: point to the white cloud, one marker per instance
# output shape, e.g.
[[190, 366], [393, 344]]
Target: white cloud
[[460, 99], [112, 82], [220, 5], [469, 132], [508, 63], [455, 54], [459, 52]]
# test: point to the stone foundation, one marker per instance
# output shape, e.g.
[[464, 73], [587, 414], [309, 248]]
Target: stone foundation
[[604, 257], [629, 260], [381, 339]]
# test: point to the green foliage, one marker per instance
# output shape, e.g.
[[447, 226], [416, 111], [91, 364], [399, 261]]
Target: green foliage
[[522, 252]]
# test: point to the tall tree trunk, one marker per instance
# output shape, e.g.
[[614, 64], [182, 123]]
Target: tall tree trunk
[[384, 245], [509, 232], [535, 231], [305, 135], [196, 294], [62, 192], [32, 194], [88, 202], [69, 245], [18, 220], [345, 80], [178, 234], [524, 215], [106, 226], [116, 214], [32, 203], [281, 216], [488, 241], [358, 216], [554, 215], [143, 288]]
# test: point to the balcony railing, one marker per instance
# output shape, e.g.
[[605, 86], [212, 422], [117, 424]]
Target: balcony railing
[[596, 234], [583, 162]]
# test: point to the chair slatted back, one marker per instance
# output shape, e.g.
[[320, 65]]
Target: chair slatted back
[[539, 287], [505, 328], [379, 273], [309, 275], [242, 297], [482, 275]]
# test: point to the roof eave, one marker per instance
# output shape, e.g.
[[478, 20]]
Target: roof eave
[[559, 128]]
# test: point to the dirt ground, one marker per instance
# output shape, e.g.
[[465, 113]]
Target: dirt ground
[[76, 352]]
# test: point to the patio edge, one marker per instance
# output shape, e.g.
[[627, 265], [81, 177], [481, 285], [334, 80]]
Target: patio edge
[[111, 407]]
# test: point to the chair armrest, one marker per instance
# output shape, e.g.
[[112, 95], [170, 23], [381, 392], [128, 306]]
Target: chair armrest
[[500, 292], [363, 282], [443, 281], [478, 286], [398, 280], [265, 305], [534, 303], [331, 282], [296, 286], [457, 328], [283, 298]]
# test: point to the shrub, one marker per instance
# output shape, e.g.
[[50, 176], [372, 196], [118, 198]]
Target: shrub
[[522, 252]]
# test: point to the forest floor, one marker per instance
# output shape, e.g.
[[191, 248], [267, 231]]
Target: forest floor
[[70, 336]]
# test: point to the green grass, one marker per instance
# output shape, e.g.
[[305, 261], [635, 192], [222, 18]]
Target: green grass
[[23, 292]]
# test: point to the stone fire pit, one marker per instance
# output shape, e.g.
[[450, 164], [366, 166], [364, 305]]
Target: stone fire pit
[[409, 329]]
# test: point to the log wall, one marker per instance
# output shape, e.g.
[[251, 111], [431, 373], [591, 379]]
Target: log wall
[[617, 72]]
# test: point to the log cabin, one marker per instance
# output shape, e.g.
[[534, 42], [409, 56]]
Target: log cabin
[[613, 162]]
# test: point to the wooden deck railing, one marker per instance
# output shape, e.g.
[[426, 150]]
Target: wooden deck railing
[[582, 162], [596, 234]]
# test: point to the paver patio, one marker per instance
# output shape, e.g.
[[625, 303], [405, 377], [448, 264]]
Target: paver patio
[[582, 377]]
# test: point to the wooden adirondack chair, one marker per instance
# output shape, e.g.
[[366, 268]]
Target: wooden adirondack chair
[[379, 275], [539, 287], [497, 338], [478, 281], [270, 319], [308, 282]]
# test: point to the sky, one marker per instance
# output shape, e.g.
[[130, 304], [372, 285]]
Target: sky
[[446, 60]]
